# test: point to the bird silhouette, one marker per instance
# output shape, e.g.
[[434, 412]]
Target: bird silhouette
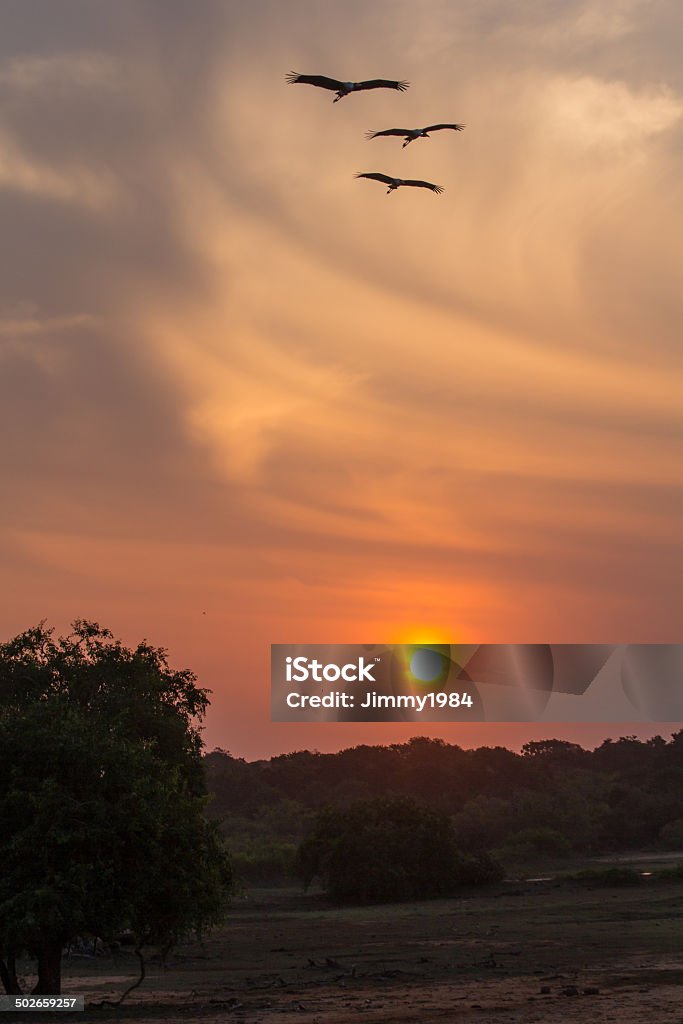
[[395, 183], [410, 134], [344, 88]]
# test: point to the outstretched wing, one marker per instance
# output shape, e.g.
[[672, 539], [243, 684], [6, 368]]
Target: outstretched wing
[[381, 83], [389, 131], [376, 176], [424, 184], [438, 127], [323, 83]]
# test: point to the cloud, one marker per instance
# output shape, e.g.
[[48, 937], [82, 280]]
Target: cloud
[[64, 71], [588, 112], [226, 363], [23, 327]]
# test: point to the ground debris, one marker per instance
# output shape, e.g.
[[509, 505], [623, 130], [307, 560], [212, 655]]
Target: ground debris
[[228, 1004]]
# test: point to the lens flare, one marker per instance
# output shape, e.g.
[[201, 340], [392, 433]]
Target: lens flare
[[426, 664]]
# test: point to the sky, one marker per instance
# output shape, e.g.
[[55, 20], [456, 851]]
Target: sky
[[246, 399]]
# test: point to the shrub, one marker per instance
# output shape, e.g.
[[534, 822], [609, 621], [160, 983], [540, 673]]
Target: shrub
[[530, 842], [388, 849], [265, 863], [481, 869]]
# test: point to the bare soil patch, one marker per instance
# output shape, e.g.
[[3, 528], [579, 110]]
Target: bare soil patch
[[520, 953]]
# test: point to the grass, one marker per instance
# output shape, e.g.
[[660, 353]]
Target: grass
[[489, 954]]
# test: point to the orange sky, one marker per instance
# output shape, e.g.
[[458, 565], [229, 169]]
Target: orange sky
[[247, 399]]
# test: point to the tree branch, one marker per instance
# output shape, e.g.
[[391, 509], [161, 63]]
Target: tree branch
[[138, 981]]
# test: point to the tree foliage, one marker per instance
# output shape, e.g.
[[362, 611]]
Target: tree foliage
[[626, 794], [387, 849], [103, 799]]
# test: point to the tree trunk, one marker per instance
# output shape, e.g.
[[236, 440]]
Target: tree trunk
[[49, 970], [8, 976]]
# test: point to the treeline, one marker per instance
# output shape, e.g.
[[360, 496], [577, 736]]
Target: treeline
[[552, 799]]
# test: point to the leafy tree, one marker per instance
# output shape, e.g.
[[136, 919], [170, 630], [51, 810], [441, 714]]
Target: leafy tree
[[102, 801], [620, 796], [559, 752], [484, 823], [387, 849]]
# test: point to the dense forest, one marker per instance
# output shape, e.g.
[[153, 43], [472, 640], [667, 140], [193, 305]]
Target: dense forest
[[554, 799]]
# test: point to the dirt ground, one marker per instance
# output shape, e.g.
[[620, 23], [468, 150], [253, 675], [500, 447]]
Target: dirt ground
[[524, 952]]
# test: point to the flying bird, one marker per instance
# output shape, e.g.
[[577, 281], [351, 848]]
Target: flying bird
[[410, 134], [344, 88], [395, 183]]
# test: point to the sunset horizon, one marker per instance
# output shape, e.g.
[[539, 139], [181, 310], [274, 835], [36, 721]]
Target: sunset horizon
[[249, 400], [340, 394]]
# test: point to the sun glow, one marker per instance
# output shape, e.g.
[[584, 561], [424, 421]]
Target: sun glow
[[422, 635]]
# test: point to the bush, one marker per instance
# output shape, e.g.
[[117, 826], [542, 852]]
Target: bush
[[265, 863], [534, 842], [481, 869], [388, 849]]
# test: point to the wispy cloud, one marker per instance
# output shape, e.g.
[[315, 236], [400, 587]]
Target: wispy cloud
[[23, 327], [233, 375]]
